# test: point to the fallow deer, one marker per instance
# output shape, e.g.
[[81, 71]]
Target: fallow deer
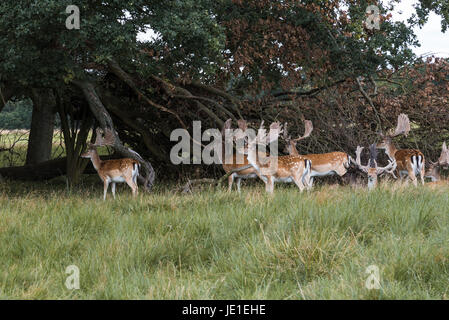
[[275, 168], [410, 162], [323, 164], [243, 170], [112, 171], [371, 169], [434, 168]]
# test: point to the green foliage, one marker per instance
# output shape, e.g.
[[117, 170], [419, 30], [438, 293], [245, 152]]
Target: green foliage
[[440, 7], [16, 115], [218, 245], [38, 49], [189, 38]]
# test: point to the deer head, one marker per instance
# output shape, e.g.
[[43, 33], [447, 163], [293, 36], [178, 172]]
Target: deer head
[[434, 168], [372, 169], [402, 127], [290, 146], [106, 139], [251, 139]]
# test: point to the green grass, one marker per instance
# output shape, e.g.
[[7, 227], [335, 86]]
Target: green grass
[[219, 245]]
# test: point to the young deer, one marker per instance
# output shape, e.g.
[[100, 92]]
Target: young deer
[[371, 169], [242, 170], [323, 164], [112, 171], [410, 162], [434, 169], [276, 169]]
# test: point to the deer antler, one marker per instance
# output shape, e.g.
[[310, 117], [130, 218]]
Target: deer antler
[[308, 128], [403, 126], [357, 161], [107, 140], [285, 135], [444, 157], [240, 132], [226, 126], [390, 168], [275, 131]]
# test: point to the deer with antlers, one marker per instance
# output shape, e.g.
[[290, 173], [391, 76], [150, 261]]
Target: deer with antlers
[[371, 169], [434, 168], [112, 171], [323, 164], [230, 163], [410, 162], [274, 168]]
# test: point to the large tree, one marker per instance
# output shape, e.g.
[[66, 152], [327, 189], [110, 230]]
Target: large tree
[[207, 61]]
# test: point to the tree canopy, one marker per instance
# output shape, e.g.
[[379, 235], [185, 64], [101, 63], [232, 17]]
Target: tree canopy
[[214, 60]]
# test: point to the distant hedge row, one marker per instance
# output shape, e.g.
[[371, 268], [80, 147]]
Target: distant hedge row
[[16, 115]]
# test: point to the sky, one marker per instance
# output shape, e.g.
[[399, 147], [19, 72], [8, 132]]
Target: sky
[[431, 38]]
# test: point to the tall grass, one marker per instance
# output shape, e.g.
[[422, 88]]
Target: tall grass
[[219, 245]]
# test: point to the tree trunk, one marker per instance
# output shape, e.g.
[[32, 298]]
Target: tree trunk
[[42, 125], [75, 136], [5, 94], [147, 176]]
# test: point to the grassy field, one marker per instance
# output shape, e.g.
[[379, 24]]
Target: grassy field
[[219, 245], [18, 139]]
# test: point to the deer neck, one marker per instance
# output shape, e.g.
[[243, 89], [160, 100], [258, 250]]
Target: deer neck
[[96, 161], [391, 150], [292, 149]]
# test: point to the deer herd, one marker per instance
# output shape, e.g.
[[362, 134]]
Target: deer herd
[[301, 169], [292, 168]]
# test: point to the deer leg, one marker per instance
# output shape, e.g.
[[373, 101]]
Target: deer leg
[[311, 182], [113, 189], [238, 184], [230, 181], [298, 181], [422, 173], [269, 185], [307, 181], [105, 189], [133, 186]]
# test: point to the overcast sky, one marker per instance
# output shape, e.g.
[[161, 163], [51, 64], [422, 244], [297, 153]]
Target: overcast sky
[[430, 36]]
